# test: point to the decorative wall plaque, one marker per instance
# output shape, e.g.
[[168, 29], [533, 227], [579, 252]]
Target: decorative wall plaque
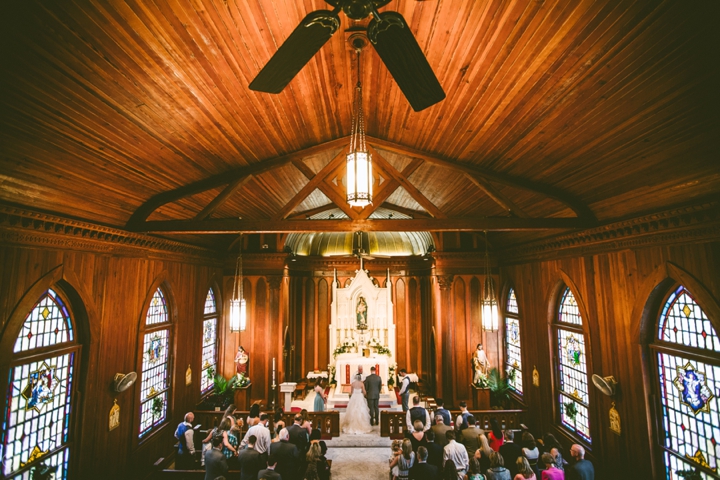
[[114, 420], [188, 376], [536, 377], [615, 420]]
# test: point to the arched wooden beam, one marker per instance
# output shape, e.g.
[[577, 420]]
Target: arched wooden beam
[[580, 209], [147, 208]]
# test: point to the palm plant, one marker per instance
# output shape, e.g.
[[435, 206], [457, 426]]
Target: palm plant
[[499, 389]]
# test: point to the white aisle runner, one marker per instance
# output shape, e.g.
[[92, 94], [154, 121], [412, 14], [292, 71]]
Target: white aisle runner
[[357, 457]]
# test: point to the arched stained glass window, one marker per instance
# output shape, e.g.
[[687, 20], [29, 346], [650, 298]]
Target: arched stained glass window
[[209, 346], [572, 373], [155, 379], [513, 359], [36, 424], [688, 368]]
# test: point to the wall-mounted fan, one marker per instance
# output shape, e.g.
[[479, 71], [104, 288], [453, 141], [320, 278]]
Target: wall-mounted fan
[[605, 384], [122, 381], [389, 34]]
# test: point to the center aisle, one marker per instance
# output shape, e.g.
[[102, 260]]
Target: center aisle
[[360, 456]]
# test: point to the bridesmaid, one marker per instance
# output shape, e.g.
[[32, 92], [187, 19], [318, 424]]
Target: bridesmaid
[[319, 405]]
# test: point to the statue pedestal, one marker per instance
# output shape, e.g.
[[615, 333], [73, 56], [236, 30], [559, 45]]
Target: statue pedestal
[[287, 390], [242, 398], [481, 398]]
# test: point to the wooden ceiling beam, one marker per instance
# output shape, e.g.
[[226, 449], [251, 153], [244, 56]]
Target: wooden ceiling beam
[[406, 211], [147, 208], [329, 192], [389, 188], [222, 197], [218, 226], [497, 196], [580, 209], [416, 194], [310, 186], [313, 211]]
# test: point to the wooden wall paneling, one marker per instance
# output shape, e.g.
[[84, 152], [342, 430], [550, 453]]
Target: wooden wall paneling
[[323, 342], [402, 355], [475, 320], [309, 326], [445, 322], [461, 345], [263, 331], [414, 323]]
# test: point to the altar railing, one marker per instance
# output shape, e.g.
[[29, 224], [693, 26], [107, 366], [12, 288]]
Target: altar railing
[[393, 424]]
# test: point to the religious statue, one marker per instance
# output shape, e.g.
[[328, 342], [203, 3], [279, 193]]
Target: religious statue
[[241, 361], [361, 311], [481, 364]]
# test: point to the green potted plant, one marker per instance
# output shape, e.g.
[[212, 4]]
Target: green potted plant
[[223, 391], [499, 389]]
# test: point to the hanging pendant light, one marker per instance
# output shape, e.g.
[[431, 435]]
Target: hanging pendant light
[[359, 160], [238, 310], [490, 314]]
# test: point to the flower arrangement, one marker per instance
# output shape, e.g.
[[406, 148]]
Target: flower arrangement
[[242, 381], [482, 381], [379, 348], [331, 373], [344, 348], [391, 374]]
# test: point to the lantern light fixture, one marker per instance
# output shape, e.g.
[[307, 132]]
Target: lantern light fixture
[[359, 160], [238, 307], [490, 314]]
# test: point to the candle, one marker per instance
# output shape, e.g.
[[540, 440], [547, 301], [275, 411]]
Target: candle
[[273, 372]]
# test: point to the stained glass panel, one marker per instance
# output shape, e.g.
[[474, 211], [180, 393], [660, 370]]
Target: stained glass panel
[[512, 306], [37, 417], [154, 385], [573, 381], [210, 303], [157, 312], [569, 311], [513, 358], [209, 353], [48, 323], [684, 322]]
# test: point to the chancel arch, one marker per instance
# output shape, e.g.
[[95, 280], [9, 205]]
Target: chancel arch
[[681, 364], [41, 360]]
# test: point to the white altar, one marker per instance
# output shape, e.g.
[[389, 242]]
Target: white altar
[[346, 366]]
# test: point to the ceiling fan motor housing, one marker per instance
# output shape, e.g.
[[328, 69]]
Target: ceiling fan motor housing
[[358, 9]]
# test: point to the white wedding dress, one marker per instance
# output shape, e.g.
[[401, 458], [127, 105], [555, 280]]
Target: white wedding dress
[[357, 416]]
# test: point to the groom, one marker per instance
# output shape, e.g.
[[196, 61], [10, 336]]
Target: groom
[[373, 384]]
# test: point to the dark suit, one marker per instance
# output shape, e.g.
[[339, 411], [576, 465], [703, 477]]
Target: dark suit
[[435, 455], [439, 431], [424, 471], [249, 462], [299, 438], [510, 452], [373, 385], [287, 455], [269, 474], [215, 464], [582, 470]]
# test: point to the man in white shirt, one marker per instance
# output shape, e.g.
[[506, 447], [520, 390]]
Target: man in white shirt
[[456, 453], [261, 432], [404, 388], [417, 413]]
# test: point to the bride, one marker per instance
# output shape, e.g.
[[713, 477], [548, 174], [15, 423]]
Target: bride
[[357, 415]]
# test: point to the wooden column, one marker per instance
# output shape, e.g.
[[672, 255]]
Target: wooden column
[[444, 331]]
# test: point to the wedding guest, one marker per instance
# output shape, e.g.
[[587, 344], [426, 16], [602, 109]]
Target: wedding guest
[[417, 413], [396, 450], [456, 453], [230, 441], [324, 464], [249, 461], [299, 435], [215, 462], [287, 456], [469, 436], [497, 470], [404, 461], [485, 452], [582, 469], [422, 469], [450, 471], [475, 470], [254, 415], [550, 472], [306, 422], [417, 436], [510, 451], [443, 412], [524, 470], [261, 434], [269, 473], [530, 451], [439, 430], [435, 451], [552, 446], [461, 422], [495, 437]]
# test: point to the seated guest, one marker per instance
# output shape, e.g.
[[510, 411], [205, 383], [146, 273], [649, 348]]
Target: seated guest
[[495, 437], [186, 443], [439, 430], [435, 451], [582, 469], [287, 456], [423, 470], [417, 413], [550, 472], [417, 436], [524, 470], [530, 451], [510, 452], [456, 453], [497, 470], [249, 460], [469, 436], [443, 412], [461, 420], [405, 461], [215, 462], [254, 415], [269, 473], [484, 452]]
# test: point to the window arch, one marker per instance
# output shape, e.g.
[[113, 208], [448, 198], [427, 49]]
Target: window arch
[[155, 376], [36, 423], [209, 342], [571, 385], [513, 357], [686, 347]]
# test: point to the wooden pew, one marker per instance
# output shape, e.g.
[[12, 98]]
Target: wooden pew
[[392, 424], [169, 474]]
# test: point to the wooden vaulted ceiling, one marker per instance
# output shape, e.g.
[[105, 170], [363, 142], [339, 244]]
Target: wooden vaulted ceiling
[[559, 114]]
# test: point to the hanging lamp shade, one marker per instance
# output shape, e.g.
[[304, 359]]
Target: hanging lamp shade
[[238, 306], [489, 304], [359, 160]]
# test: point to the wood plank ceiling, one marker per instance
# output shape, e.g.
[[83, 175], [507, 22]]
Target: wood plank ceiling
[[555, 109]]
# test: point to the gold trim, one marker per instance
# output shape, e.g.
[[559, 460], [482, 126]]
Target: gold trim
[[114, 417], [34, 455]]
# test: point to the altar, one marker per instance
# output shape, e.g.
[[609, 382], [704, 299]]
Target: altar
[[347, 364]]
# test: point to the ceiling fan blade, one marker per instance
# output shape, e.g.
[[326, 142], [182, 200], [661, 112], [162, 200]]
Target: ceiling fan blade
[[302, 44], [398, 49]]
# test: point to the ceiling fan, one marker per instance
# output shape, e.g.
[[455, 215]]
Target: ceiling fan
[[389, 34]]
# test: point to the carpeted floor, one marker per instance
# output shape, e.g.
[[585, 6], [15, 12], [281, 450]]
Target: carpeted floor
[[360, 457]]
